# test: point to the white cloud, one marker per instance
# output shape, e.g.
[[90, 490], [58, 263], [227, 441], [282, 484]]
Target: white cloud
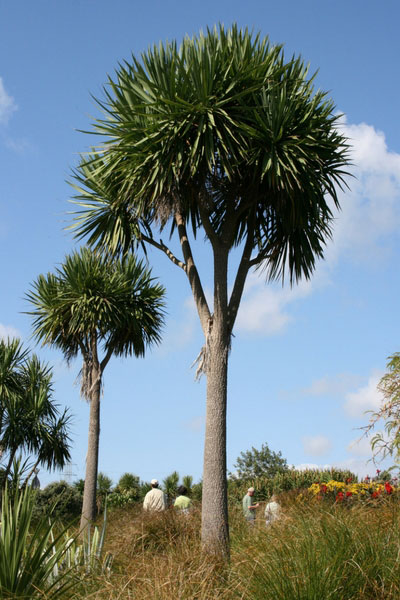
[[336, 385], [316, 445], [179, 333], [359, 467], [8, 331], [7, 104], [263, 309], [363, 231], [361, 446], [365, 398], [19, 146], [371, 208]]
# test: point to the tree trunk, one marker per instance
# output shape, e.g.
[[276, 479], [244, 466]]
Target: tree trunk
[[215, 528], [92, 458]]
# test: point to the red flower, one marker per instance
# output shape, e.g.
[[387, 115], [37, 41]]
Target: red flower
[[323, 488], [388, 487], [375, 494], [378, 471], [348, 494], [339, 497], [349, 480]]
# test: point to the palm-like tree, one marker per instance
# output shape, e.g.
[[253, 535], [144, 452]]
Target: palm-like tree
[[30, 421], [220, 134], [92, 304]]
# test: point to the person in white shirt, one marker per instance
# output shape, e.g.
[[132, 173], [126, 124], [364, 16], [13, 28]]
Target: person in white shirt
[[272, 511], [154, 500]]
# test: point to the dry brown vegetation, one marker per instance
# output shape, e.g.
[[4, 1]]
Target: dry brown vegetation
[[317, 550]]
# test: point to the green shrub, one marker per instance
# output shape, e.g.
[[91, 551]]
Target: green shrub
[[64, 500]]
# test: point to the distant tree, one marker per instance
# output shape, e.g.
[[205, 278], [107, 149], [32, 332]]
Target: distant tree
[[30, 421], [170, 485], [187, 481], [260, 463], [388, 443], [64, 500], [93, 304], [129, 482], [79, 485]]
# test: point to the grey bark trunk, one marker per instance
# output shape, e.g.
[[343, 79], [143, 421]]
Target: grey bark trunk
[[215, 528], [92, 458]]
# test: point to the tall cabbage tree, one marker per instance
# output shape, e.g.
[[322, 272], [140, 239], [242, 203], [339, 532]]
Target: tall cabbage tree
[[96, 307], [225, 136]]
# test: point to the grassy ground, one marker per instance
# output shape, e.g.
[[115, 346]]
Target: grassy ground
[[314, 551]]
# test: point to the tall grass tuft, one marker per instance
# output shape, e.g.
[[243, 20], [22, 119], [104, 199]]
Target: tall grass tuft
[[321, 551]]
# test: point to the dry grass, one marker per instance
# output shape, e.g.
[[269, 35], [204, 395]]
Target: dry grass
[[315, 551]]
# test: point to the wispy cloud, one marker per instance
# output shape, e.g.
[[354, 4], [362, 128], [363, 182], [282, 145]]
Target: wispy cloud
[[365, 398], [264, 308], [361, 446], [333, 385], [7, 104], [8, 331], [179, 333], [317, 445]]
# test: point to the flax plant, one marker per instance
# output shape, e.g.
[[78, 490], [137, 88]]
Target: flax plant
[[30, 556]]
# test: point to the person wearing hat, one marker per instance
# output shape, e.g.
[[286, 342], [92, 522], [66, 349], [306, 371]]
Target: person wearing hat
[[154, 500], [249, 508]]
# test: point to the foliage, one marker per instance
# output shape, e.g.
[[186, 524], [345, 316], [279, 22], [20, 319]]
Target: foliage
[[117, 301], [30, 421], [223, 125], [259, 463], [187, 481], [61, 499], [129, 481], [170, 485], [30, 556], [286, 481], [389, 411]]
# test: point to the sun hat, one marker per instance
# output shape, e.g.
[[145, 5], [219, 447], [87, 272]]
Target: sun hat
[[154, 482], [251, 489]]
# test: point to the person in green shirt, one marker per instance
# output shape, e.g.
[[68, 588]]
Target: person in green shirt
[[182, 502], [249, 508]]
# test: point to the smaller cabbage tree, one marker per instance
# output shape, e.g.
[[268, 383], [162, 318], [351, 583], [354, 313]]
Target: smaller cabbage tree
[[96, 307]]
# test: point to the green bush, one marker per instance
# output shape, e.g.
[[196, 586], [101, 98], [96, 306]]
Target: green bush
[[64, 500]]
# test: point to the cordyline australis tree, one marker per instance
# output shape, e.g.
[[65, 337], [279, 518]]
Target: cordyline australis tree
[[93, 304], [219, 135], [30, 421]]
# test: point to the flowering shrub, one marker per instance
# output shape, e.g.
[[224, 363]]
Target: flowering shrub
[[340, 491]]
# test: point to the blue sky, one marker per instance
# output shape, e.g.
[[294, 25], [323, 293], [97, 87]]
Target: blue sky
[[305, 361]]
